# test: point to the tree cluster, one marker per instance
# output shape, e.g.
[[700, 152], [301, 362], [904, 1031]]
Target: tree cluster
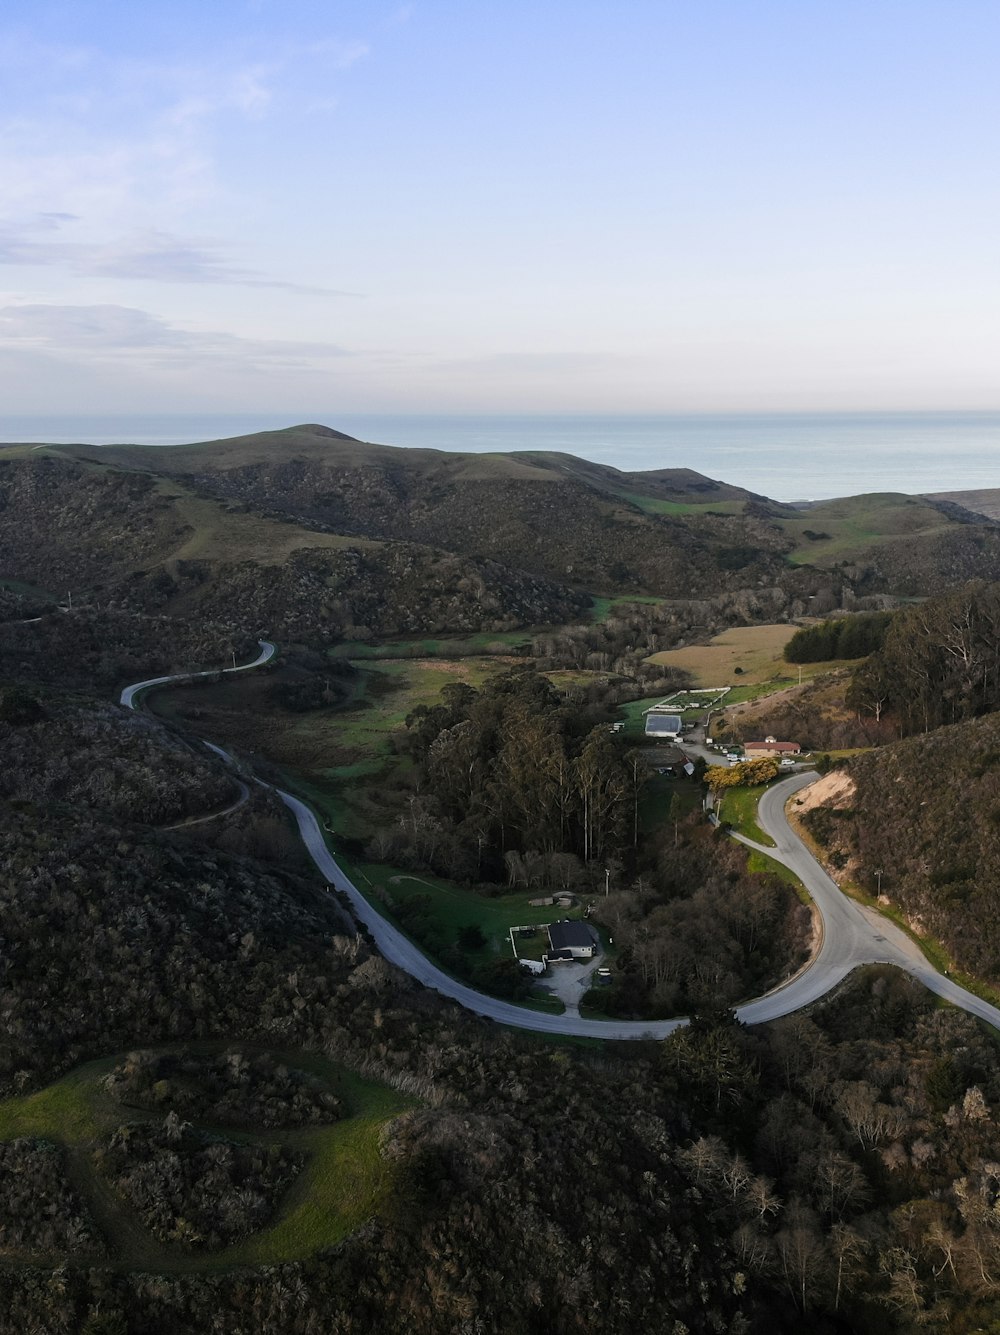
[[696, 930], [939, 663], [512, 768], [854, 636]]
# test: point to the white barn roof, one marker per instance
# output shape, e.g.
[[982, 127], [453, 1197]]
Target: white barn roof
[[663, 725]]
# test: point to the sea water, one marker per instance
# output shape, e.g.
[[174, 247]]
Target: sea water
[[789, 456]]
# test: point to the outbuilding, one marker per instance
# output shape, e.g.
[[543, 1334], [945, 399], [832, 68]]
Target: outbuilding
[[663, 727]]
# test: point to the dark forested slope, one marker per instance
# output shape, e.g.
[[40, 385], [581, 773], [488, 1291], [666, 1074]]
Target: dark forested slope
[[124, 539], [926, 813]]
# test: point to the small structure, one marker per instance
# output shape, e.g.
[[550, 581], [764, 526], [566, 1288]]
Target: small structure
[[663, 727], [537, 967], [570, 941], [770, 747]]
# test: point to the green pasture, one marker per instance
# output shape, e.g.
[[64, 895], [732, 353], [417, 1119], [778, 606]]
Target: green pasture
[[652, 505], [343, 1183], [846, 527], [453, 907]]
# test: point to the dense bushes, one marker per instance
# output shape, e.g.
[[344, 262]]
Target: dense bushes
[[234, 1088], [100, 755], [193, 1190], [40, 1212], [103, 650]]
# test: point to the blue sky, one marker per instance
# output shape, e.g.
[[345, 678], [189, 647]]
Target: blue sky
[[298, 207]]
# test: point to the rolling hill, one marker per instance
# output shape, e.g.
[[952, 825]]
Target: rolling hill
[[318, 536]]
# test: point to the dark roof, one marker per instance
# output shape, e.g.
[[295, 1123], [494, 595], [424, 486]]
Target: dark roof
[[564, 934], [663, 723]]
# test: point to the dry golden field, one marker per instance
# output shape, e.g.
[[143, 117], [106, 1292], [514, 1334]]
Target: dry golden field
[[755, 649]]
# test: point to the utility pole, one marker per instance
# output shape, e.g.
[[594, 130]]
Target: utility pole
[[607, 881], [878, 878], [234, 660]]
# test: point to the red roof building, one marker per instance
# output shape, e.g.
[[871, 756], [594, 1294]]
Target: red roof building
[[769, 747]]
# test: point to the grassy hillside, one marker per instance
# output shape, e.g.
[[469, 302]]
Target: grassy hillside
[[671, 532], [843, 529]]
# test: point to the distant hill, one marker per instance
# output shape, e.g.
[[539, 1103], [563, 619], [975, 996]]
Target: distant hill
[[985, 503], [362, 539], [673, 532], [72, 521]]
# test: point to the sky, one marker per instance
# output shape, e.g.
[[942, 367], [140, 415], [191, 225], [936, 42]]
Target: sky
[[625, 207]]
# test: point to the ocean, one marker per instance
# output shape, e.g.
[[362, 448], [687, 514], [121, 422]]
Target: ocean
[[788, 456]]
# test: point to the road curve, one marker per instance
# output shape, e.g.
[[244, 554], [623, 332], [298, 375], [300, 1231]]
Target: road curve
[[851, 935], [128, 695]]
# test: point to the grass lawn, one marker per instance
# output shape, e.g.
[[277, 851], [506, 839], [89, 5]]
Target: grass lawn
[[29, 590], [343, 1183], [739, 809], [454, 907], [666, 798]]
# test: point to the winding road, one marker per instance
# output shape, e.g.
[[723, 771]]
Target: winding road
[[852, 935]]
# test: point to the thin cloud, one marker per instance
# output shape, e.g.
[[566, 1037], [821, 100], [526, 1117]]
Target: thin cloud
[[151, 256], [112, 333]]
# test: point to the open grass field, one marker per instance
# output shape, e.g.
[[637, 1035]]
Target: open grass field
[[30, 590], [739, 809], [344, 1180], [666, 798], [760, 862], [844, 528], [454, 907]]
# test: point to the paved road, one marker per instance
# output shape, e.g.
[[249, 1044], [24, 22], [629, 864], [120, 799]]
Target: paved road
[[852, 935], [128, 695]]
